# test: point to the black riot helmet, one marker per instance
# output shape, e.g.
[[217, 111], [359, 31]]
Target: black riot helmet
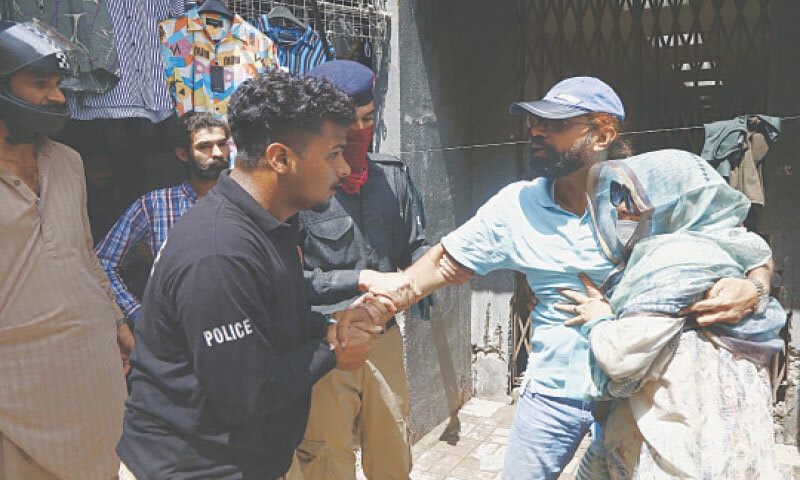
[[28, 47]]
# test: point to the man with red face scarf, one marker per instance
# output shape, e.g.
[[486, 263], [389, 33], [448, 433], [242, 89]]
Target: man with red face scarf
[[370, 230]]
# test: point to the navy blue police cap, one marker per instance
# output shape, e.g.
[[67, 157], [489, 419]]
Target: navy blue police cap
[[353, 78]]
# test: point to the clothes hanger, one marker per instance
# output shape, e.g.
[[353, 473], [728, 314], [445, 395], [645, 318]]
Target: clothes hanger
[[215, 6], [284, 13]]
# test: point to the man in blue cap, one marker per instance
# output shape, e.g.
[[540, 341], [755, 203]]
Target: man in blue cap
[[372, 225], [542, 228]]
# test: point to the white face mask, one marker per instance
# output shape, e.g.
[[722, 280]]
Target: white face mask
[[625, 229]]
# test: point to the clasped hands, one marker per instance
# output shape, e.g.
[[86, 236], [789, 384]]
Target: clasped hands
[[387, 293], [351, 330]]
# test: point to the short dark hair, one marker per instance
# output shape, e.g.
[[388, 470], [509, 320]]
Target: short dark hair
[[281, 107], [180, 129]]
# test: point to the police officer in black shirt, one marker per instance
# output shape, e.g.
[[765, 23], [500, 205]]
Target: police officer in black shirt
[[227, 348]]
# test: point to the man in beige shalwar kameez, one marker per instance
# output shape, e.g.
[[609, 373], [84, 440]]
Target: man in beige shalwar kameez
[[61, 383]]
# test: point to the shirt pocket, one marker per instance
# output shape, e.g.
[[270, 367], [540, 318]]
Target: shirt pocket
[[330, 239], [383, 233]]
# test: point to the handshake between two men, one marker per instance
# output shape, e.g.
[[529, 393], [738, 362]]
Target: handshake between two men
[[350, 330]]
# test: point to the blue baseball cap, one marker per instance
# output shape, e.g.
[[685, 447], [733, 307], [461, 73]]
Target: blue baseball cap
[[572, 97]]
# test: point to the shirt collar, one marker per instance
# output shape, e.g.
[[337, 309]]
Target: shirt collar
[[545, 195], [545, 192], [195, 23], [237, 195], [43, 146], [274, 30], [43, 149], [187, 190]]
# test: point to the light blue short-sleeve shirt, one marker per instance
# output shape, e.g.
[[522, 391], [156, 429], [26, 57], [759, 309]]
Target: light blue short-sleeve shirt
[[521, 228]]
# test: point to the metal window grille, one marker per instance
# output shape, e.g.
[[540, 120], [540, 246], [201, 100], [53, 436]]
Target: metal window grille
[[365, 19], [675, 63], [520, 329]]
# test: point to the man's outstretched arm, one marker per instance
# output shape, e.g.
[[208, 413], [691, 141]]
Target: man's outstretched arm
[[435, 269]]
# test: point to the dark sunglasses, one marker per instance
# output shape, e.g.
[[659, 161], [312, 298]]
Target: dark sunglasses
[[620, 193], [551, 125]]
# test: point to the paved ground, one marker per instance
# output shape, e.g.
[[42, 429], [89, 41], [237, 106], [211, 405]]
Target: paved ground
[[471, 447]]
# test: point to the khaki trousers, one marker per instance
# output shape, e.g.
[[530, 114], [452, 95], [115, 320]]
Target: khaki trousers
[[368, 407], [294, 472]]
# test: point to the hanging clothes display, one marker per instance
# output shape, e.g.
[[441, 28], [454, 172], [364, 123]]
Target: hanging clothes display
[[344, 39], [348, 43], [85, 25], [736, 149], [207, 55], [142, 90], [299, 49]]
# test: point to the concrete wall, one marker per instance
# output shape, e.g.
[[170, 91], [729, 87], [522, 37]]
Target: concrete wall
[[447, 79], [782, 209], [782, 225], [437, 352], [492, 34]]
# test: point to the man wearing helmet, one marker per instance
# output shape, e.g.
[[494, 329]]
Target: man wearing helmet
[[63, 389]]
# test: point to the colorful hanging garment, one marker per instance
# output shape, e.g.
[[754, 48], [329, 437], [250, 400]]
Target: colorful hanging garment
[[207, 55]]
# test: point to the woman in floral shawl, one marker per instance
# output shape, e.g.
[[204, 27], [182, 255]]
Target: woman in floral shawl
[[695, 401]]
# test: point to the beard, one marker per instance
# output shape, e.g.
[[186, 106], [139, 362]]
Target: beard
[[557, 165], [321, 207], [210, 172]]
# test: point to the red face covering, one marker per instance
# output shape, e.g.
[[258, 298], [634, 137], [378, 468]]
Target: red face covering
[[355, 154]]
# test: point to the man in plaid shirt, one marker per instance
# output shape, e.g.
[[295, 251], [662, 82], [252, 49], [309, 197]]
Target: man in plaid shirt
[[201, 142]]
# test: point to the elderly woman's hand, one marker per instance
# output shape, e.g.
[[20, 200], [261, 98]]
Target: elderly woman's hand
[[592, 304]]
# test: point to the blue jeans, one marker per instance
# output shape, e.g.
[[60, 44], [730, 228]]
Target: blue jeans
[[545, 434]]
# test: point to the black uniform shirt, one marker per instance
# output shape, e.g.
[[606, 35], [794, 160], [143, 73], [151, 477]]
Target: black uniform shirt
[[227, 349]]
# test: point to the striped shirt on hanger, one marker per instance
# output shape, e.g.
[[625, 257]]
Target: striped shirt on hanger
[[142, 89], [299, 49]]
